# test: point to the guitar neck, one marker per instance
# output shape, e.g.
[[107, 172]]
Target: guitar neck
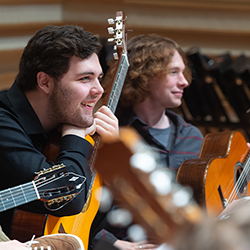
[[118, 83], [16, 196]]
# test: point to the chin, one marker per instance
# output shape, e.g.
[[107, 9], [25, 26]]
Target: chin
[[175, 105], [178, 104]]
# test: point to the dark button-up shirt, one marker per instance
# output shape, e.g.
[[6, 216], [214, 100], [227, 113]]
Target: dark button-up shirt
[[184, 141], [22, 141]]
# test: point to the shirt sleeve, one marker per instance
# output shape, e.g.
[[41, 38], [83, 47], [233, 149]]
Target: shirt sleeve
[[104, 235], [20, 160]]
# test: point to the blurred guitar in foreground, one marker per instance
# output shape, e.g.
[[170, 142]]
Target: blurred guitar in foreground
[[131, 169]]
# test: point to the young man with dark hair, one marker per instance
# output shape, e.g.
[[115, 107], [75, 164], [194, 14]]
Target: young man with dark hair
[[56, 89]]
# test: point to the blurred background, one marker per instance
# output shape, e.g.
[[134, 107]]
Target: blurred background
[[215, 34]]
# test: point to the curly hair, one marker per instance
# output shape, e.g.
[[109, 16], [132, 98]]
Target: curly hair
[[149, 56], [50, 51]]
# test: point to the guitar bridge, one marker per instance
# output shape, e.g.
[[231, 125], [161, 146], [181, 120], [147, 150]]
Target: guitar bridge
[[222, 198]]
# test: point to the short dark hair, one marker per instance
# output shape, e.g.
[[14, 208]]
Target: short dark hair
[[50, 51]]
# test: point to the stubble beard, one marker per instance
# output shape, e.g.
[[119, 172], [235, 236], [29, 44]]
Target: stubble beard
[[61, 112]]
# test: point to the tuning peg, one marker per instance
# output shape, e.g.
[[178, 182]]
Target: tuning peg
[[119, 217], [182, 196], [111, 39], [144, 161], [162, 181], [111, 30], [51, 202], [137, 233], [111, 21]]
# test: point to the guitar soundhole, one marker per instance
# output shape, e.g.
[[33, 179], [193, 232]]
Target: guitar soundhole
[[240, 180]]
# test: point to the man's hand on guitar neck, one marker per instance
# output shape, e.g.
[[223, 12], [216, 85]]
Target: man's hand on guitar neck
[[126, 245], [106, 124]]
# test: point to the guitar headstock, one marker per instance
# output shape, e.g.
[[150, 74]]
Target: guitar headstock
[[131, 169], [119, 70], [120, 33], [56, 186]]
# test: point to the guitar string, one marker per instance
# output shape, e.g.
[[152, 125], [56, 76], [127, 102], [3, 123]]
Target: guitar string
[[240, 182], [239, 185], [9, 194], [7, 197], [231, 188], [242, 178]]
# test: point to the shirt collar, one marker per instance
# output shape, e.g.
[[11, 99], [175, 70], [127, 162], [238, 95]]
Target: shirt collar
[[128, 116]]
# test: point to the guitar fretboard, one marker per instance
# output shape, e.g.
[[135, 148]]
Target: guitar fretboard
[[118, 83], [16, 196], [111, 104]]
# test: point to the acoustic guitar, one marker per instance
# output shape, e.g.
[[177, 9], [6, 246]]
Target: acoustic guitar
[[54, 186], [221, 173], [139, 183], [80, 224]]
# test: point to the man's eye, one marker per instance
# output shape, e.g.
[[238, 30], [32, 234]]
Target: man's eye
[[85, 78]]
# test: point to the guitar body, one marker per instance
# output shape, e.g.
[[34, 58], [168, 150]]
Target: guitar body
[[26, 224], [81, 223], [216, 174]]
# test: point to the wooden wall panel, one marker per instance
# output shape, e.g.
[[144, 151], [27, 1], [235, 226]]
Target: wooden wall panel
[[215, 26]]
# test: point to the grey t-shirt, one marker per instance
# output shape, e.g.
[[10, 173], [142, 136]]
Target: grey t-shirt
[[161, 135]]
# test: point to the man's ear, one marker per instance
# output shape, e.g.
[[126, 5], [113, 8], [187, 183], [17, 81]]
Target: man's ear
[[44, 82]]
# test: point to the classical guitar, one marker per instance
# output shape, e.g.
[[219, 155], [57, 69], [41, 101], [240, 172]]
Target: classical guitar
[[80, 224], [133, 173], [221, 173], [54, 186]]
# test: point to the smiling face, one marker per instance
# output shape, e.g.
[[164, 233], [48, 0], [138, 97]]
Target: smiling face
[[166, 91], [75, 95]]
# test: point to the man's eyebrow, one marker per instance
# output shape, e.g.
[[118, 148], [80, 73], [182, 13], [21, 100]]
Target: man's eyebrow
[[86, 73], [89, 73]]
